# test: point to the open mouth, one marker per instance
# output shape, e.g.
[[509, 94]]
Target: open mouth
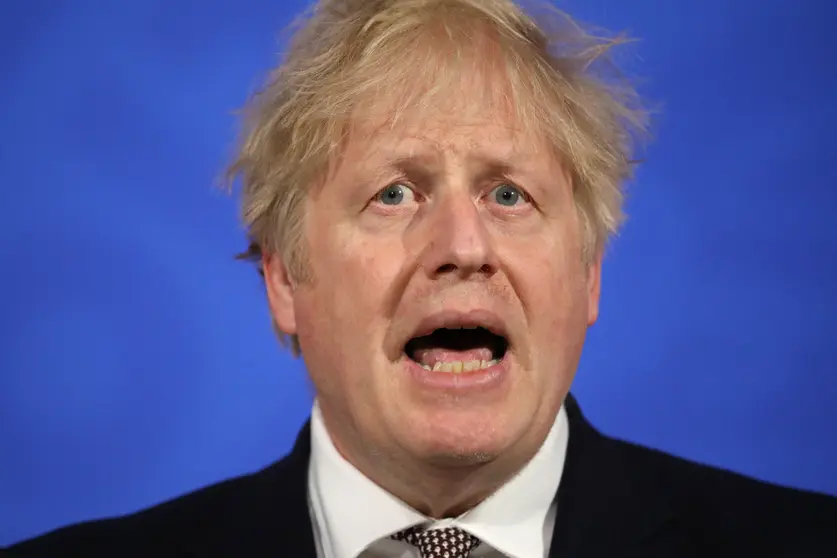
[[457, 350]]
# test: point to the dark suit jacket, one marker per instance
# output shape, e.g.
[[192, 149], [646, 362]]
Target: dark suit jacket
[[615, 500]]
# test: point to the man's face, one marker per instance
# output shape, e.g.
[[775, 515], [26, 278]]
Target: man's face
[[424, 231]]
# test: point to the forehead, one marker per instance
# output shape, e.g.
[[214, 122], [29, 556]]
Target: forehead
[[438, 99], [480, 141], [473, 118]]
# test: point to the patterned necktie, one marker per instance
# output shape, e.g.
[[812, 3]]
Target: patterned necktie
[[450, 542]]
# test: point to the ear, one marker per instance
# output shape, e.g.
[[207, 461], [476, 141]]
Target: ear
[[594, 288], [280, 293]]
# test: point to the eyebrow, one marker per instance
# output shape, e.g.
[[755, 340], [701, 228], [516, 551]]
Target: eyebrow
[[421, 165]]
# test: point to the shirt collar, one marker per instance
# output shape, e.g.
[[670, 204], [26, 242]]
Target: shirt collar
[[511, 520]]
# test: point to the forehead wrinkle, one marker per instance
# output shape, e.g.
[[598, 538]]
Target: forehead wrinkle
[[380, 157], [386, 135], [437, 134], [488, 151]]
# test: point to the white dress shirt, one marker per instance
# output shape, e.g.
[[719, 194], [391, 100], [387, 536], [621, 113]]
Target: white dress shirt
[[353, 517]]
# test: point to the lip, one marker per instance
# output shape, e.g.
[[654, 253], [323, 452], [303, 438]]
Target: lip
[[472, 381], [461, 319]]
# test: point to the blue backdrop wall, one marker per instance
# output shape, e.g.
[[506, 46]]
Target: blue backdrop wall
[[136, 357]]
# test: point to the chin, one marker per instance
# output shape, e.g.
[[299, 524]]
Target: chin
[[460, 436]]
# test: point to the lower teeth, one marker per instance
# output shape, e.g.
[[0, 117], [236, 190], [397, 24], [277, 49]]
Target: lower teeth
[[458, 367]]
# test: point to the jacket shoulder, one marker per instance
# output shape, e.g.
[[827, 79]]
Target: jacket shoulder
[[183, 526], [729, 510]]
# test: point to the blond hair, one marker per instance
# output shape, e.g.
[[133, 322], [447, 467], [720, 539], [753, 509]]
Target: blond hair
[[558, 77]]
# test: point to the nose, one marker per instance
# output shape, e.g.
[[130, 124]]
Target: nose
[[460, 243]]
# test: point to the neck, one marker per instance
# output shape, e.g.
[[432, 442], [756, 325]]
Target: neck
[[436, 490], [439, 489]]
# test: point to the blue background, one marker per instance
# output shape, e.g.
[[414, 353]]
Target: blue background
[[137, 358]]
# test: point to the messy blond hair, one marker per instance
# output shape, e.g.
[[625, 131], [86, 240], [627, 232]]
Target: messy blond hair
[[558, 79]]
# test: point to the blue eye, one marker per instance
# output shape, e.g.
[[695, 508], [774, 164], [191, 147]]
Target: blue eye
[[394, 194], [506, 194]]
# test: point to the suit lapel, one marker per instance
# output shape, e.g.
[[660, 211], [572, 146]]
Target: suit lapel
[[608, 502], [271, 518], [292, 531]]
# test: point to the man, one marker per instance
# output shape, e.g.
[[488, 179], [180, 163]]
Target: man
[[428, 188]]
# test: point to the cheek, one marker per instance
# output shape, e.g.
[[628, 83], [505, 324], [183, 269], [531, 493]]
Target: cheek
[[366, 272], [344, 318], [352, 279], [552, 285]]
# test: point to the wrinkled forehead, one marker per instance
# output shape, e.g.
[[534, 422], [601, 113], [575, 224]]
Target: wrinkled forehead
[[479, 136], [430, 137], [445, 95]]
